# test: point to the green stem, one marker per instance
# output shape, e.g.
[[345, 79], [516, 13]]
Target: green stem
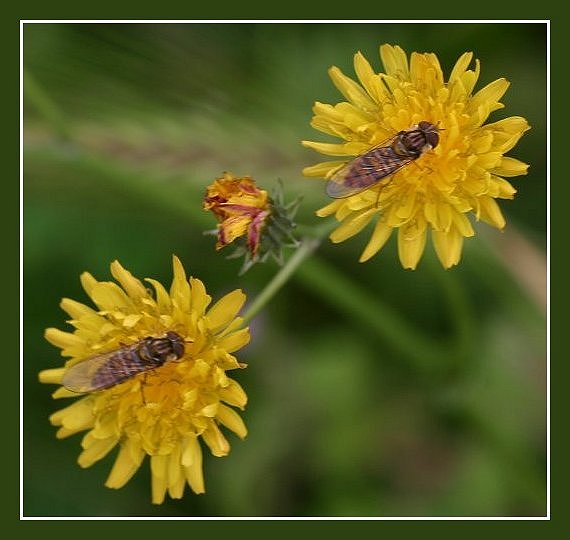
[[460, 314], [307, 247]]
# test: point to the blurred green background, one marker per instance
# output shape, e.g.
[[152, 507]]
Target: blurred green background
[[373, 391]]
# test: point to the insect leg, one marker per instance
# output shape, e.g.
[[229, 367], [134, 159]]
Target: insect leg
[[143, 384]]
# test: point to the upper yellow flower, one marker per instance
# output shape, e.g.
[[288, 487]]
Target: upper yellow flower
[[463, 173], [161, 412]]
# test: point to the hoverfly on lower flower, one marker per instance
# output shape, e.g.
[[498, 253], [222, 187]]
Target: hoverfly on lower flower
[[383, 160], [110, 368]]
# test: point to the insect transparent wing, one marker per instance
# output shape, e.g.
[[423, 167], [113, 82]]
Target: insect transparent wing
[[364, 171], [111, 368], [82, 377]]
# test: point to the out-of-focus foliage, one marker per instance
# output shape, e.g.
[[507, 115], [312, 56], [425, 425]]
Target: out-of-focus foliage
[[374, 391]]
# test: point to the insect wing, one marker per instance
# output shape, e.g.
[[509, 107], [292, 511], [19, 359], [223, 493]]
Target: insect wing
[[365, 171], [104, 370]]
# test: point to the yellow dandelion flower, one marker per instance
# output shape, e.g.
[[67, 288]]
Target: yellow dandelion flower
[[459, 169], [153, 369]]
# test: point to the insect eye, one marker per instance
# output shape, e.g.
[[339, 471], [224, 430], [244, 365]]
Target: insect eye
[[432, 138]]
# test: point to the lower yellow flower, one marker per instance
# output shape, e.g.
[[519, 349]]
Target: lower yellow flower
[[460, 170], [178, 348]]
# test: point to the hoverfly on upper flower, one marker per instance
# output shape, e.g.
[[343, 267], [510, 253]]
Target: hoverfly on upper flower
[[108, 369], [383, 160]]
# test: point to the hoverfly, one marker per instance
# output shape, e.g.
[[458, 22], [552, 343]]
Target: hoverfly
[[108, 369], [384, 160]]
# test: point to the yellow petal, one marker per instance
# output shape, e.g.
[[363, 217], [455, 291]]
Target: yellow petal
[[460, 66], [510, 167], [344, 149], [232, 420], [132, 286], [330, 208], [51, 376], [131, 320], [200, 300], [126, 465], [96, 450], [507, 132], [379, 237], [192, 462], [217, 443], [77, 310], [411, 243], [489, 160], [63, 393], [191, 452], [63, 340], [87, 282], [448, 246], [395, 61], [351, 90], [162, 296], [233, 394], [235, 341], [180, 288], [469, 78], [490, 212], [488, 96], [425, 70], [108, 296], [353, 225], [176, 476], [323, 170], [370, 80], [462, 224], [504, 190], [225, 310], [158, 467]]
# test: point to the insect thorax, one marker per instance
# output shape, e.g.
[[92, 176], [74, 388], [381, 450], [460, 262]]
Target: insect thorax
[[413, 142], [157, 351]]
